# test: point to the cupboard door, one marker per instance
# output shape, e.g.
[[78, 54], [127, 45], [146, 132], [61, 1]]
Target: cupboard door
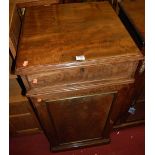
[[76, 120]]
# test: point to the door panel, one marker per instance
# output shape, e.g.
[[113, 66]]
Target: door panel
[[80, 118]]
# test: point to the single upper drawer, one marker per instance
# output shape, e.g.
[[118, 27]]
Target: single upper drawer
[[104, 72]]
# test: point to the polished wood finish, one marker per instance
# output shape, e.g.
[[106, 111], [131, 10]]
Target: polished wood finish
[[22, 118], [104, 72], [77, 102], [132, 14], [15, 20], [112, 2], [135, 10], [11, 76], [80, 1], [72, 119], [14, 30], [29, 3], [59, 36], [87, 111]]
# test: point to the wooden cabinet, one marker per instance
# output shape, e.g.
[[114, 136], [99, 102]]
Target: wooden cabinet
[[79, 1], [77, 62], [81, 117], [132, 15], [22, 119], [75, 121], [21, 116]]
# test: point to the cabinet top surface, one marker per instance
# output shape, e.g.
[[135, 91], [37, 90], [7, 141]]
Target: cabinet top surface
[[56, 34], [24, 3]]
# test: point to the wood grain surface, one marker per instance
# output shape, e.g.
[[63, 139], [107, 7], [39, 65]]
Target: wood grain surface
[[102, 73], [15, 20], [80, 115], [135, 10], [77, 102], [132, 14], [56, 34]]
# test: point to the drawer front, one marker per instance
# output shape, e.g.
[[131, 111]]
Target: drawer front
[[102, 72]]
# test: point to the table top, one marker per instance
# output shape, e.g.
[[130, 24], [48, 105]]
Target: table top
[[135, 10], [54, 35]]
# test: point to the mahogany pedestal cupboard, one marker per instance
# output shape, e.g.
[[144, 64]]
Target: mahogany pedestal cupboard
[[77, 62]]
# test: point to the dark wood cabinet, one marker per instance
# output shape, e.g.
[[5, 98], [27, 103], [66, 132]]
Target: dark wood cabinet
[[84, 118], [79, 1], [132, 15], [78, 63], [74, 117], [75, 121], [22, 119]]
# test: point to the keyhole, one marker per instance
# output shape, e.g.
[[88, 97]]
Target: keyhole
[[82, 70]]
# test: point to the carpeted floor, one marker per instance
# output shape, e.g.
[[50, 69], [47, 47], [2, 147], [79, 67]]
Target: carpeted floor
[[129, 141]]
